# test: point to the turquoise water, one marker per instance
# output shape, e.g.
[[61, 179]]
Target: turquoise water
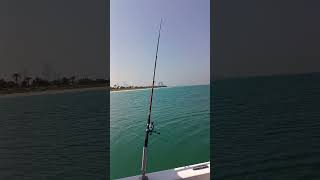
[[181, 114], [54, 136]]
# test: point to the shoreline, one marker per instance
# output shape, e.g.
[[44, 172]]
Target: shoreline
[[134, 89], [73, 89], [52, 91], [67, 90]]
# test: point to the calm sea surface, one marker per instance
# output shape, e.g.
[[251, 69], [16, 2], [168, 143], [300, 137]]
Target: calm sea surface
[[266, 128], [181, 114], [54, 136]]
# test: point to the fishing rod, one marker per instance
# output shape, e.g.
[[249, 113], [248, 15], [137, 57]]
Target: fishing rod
[[150, 126]]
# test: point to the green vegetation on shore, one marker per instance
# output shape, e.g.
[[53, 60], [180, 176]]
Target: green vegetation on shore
[[30, 84], [36, 84]]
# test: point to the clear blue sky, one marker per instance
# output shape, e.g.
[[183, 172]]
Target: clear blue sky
[[184, 51]]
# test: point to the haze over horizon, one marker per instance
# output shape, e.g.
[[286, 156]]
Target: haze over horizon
[[184, 50], [53, 38], [263, 38]]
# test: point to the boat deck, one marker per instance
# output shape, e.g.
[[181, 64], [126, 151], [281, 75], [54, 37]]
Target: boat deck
[[199, 171]]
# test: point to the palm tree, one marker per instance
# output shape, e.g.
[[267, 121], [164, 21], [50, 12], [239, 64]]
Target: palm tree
[[36, 81], [3, 83], [65, 81], [27, 80], [16, 76], [72, 78]]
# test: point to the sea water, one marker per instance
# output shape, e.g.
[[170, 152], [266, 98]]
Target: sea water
[[180, 114], [266, 127], [54, 136]]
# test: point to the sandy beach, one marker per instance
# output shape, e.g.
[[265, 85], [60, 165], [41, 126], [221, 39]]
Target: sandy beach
[[58, 91], [47, 92], [125, 90], [133, 89]]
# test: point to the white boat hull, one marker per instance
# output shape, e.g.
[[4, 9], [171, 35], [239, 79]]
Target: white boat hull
[[199, 171]]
